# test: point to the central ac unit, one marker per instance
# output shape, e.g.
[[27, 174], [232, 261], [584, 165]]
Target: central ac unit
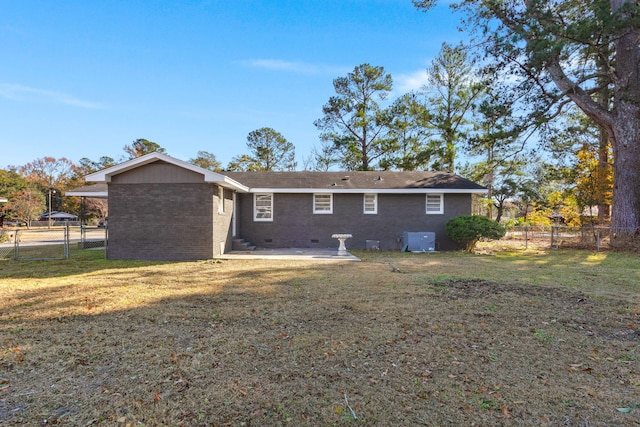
[[419, 241]]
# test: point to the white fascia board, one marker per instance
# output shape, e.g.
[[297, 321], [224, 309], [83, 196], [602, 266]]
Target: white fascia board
[[370, 190], [105, 175], [231, 184], [3, 200], [95, 194]]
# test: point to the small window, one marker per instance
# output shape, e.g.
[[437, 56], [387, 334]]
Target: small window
[[434, 204], [370, 204], [323, 203], [263, 207]]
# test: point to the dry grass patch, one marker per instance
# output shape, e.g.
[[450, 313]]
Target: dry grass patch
[[398, 339]]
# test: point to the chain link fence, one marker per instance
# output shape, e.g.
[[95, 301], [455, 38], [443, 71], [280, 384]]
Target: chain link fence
[[563, 237], [57, 242], [49, 243]]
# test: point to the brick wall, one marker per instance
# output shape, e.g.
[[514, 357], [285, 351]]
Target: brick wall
[[170, 221], [295, 225], [222, 233]]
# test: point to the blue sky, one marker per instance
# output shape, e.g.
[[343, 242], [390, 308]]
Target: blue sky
[[85, 78]]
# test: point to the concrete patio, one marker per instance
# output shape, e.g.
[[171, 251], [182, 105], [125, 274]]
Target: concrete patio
[[298, 254]]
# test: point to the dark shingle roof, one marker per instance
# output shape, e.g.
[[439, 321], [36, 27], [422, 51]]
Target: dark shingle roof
[[387, 180]]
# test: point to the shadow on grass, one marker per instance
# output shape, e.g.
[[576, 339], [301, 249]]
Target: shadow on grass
[[79, 262], [276, 343]]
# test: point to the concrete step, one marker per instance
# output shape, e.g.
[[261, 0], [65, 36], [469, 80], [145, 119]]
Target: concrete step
[[242, 245]]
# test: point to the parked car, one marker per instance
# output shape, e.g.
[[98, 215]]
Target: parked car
[[14, 223]]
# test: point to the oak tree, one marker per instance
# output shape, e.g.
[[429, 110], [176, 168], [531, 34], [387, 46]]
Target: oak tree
[[26, 205]]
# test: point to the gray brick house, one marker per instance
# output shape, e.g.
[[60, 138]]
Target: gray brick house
[[161, 208]]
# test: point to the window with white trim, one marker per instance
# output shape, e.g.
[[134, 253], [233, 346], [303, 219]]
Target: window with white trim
[[323, 203], [370, 202], [434, 204], [263, 207]]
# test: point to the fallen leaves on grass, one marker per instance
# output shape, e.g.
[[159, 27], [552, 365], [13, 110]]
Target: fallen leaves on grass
[[406, 347]]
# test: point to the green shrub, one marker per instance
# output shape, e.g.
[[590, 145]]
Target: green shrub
[[469, 229]]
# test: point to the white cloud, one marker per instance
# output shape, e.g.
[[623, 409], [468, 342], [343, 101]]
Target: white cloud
[[295, 67], [17, 92], [409, 82]]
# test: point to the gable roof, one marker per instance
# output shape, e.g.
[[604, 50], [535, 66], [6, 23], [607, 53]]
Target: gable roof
[[105, 175], [356, 182]]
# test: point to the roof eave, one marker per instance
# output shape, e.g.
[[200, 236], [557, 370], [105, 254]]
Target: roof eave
[[95, 194], [104, 175], [232, 184], [371, 190]]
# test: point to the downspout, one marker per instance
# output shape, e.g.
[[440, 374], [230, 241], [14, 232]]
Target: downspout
[[233, 215]]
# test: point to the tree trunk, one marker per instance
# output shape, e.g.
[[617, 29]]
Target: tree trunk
[[625, 134], [625, 217], [622, 124], [489, 185], [499, 214]]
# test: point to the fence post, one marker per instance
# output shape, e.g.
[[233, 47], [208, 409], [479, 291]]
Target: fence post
[[526, 237], [66, 241], [597, 240], [16, 246]]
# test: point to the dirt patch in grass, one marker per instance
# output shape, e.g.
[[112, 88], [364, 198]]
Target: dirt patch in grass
[[261, 343]]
